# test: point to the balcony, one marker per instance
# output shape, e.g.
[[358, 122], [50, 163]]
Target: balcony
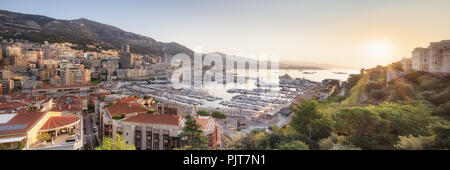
[[61, 142]]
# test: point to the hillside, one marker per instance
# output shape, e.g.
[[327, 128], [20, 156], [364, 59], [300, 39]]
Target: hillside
[[410, 111], [82, 31]]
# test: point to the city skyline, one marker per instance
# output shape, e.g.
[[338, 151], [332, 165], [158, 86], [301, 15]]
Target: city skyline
[[348, 33]]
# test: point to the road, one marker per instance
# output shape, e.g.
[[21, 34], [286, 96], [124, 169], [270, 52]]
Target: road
[[90, 138]]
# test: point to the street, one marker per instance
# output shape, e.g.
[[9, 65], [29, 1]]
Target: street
[[90, 137]]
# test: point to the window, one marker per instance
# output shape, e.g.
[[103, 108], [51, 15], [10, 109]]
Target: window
[[149, 139]]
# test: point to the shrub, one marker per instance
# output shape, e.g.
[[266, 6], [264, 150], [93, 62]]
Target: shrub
[[374, 85], [118, 116], [440, 98], [400, 91], [202, 113], [429, 83], [443, 111], [352, 80], [378, 94], [43, 137], [413, 76], [218, 115]]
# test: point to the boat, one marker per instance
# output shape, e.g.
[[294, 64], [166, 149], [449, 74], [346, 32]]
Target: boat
[[305, 72], [339, 72]]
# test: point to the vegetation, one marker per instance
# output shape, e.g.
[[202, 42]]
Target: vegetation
[[218, 115], [117, 117], [202, 113], [280, 139], [95, 81], [310, 123], [115, 144], [193, 133], [91, 108], [43, 137], [411, 112], [151, 112], [7, 146]]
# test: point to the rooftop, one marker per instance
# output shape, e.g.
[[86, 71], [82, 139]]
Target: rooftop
[[204, 122], [65, 86], [21, 122], [145, 118], [57, 122], [125, 108]]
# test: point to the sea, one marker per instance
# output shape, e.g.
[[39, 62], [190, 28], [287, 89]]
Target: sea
[[220, 89]]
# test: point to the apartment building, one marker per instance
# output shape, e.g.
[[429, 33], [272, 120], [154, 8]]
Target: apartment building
[[126, 60], [75, 74], [160, 130], [20, 130], [150, 131], [66, 90]]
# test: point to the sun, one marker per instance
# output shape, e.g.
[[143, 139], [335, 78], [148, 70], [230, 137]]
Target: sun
[[378, 48]]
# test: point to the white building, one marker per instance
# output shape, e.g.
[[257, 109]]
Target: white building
[[435, 58]]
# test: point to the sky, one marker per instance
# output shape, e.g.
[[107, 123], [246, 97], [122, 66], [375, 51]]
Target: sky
[[355, 33]]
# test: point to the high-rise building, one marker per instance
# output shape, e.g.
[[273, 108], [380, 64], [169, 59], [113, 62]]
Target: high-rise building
[[7, 86], [15, 60], [126, 60], [5, 74], [1, 53], [75, 74]]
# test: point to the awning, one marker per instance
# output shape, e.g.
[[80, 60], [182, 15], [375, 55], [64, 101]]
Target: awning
[[8, 140]]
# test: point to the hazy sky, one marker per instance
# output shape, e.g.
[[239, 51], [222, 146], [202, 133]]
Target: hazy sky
[[342, 32]]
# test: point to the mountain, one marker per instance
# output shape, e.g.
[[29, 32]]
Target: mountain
[[37, 28], [82, 31]]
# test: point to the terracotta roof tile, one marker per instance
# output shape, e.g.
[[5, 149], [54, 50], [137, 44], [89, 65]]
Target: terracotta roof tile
[[153, 119], [128, 99], [125, 108], [203, 122], [12, 106], [65, 86], [59, 121], [22, 117], [66, 107]]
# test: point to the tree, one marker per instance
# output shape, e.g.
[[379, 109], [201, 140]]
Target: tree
[[397, 66], [115, 144], [309, 122], [352, 80], [364, 128], [43, 137], [332, 141], [379, 127], [284, 138], [91, 108], [202, 113], [400, 91], [238, 125], [218, 115], [443, 111], [440, 133], [195, 139]]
